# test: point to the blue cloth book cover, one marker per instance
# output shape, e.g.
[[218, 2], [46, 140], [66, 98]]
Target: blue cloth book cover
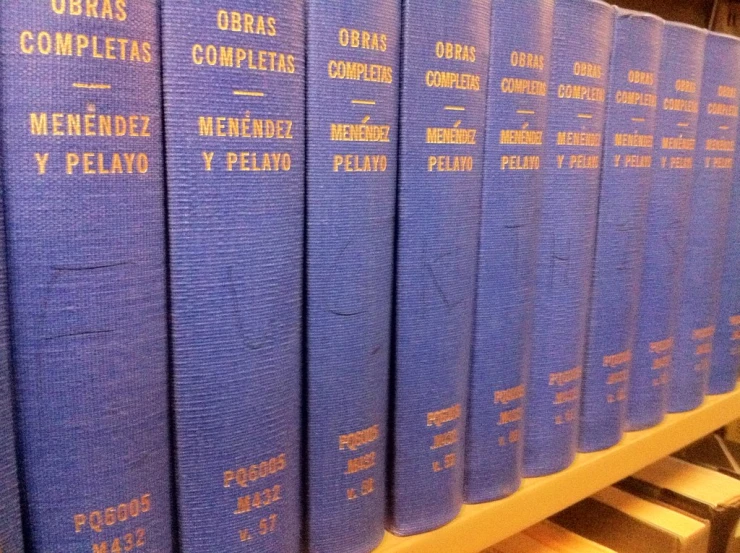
[[581, 46], [723, 373], [626, 178], [234, 84], [519, 69], [84, 183], [353, 67], [711, 196], [443, 97], [679, 80], [11, 534]]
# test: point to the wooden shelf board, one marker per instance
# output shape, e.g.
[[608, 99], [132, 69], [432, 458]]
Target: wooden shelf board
[[480, 526]]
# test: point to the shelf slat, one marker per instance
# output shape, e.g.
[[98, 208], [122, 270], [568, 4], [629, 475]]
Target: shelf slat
[[480, 526]]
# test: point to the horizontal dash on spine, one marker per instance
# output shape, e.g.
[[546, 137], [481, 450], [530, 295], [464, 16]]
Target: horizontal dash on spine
[[525, 111], [92, 86], [248, 93], [585, 116], [364, 102], [454, 108]]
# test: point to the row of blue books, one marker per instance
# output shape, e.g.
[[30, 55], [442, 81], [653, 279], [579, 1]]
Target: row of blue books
[[283, 274]]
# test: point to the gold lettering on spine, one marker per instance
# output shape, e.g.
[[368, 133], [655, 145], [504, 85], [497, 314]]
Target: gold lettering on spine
[[512, 85], [243, 22], [47, 43], [222, 126], [452, 65], [722, 144], [360, 71], [635, 76], [524, 136], [366, 40], [90, 123], [454, 51], [355, 163], [98, 9], [507, 396], [634, 139], [447, 79], [256, 143], [359, 142], [587, 93], [568, 390], [248, 59], [581, 92], [451, 135]]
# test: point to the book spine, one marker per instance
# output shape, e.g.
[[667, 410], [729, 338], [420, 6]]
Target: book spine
[[521, 33], [234, 84], [443, 95], [711, 196], [726, 355], [581, 46], [353, 72], [679, 79], [626, 178], [84, 184], [11, 536]]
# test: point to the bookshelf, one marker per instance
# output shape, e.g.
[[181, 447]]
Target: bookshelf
[[480, 526]]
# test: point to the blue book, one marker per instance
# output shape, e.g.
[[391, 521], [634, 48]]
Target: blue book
[[711, 195], [353, 62], [582, 41], [521, 33], [679, 79], [84, 192], [626, 178], [443, 97], [11, 537], [723, 373], [234, 78]]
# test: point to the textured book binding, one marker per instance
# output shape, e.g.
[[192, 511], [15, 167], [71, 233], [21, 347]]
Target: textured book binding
[[626, 177], [84, 183], [443, 95], [521, 33], [679, 79], [234, 78], [353, 62], [582, 40], [11, 538], [723, 373], [711, 196]]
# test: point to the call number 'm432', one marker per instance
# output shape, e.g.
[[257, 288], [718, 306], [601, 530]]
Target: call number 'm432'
[[124, 544]]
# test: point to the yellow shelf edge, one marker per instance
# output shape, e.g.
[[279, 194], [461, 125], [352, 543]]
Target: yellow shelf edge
[[480, 526]]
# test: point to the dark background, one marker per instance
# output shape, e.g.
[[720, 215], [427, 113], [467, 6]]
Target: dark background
[[718, 15]]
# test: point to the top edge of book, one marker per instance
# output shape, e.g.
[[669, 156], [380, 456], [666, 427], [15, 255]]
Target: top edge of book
[[601, 3], [687, 26], [624, 12], [724, 35]]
